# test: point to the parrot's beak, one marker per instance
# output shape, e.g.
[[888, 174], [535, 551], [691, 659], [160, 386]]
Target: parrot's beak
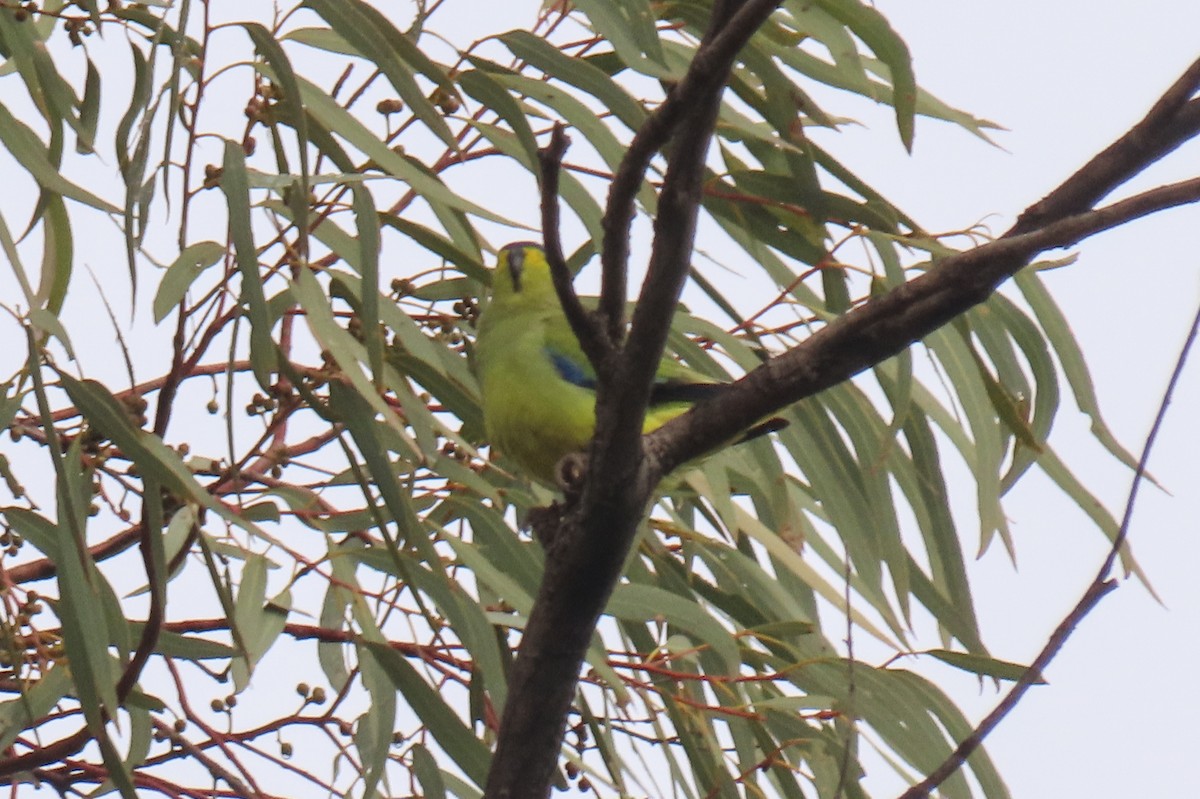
[[516, 266]]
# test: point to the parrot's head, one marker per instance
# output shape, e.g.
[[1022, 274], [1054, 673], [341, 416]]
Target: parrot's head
[[523, 275]]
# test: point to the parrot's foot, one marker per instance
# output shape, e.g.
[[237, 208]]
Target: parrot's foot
[[569, 473]]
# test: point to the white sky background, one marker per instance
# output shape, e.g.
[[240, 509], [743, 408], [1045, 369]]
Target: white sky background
[[1066, 77]]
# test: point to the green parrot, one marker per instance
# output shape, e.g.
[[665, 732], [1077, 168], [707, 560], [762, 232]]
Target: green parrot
[[539, 389]]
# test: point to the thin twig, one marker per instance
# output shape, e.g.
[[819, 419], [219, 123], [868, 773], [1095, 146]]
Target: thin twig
[[591, 337], [851, 687], [1127, 518], [217, 771]]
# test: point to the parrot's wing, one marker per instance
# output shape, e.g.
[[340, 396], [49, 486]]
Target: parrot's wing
[[563, 350], [674, 383]]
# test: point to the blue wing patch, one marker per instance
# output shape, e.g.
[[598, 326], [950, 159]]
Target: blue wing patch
[[571, 371]]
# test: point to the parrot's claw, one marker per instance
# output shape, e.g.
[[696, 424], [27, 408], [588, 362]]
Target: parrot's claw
[[569, 474]]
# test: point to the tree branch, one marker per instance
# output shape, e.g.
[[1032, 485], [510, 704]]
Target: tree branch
[[49, 753], [590, 335], [1172, 120]]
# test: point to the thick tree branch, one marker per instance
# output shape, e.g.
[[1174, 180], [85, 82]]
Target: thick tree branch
[[49, 753], [45, 568], [619, 421]]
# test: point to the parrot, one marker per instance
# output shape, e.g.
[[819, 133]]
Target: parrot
[[538, 387]]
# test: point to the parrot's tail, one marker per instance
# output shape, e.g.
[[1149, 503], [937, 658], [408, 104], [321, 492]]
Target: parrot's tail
[[770, 426]]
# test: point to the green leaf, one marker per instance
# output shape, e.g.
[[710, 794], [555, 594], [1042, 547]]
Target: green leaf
[[141, 736], [581, 201], [367, 223], [180, 275], [1062, 341], [873, 28], [987, 447], [373, 732], [791, 559], [637, 602], [347, 352], [452, 735], [23, 144], [467, 262], [39, 531], [58, 254], [470, 624], [1050, 463], [46, 322], [426, 769], [89, 111], [133, 157], [336, 119], [630, 26], [266, 44], [322, 39], [575, 112], [983, 666], [495, 97], [9, 246], [189, 647], [578, 73], [51, 93], [237, 194], [33, 704], [339, 597], [148, 451], [84, 625]]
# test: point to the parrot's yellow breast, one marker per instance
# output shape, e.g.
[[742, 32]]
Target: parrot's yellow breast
[[533, 416]]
